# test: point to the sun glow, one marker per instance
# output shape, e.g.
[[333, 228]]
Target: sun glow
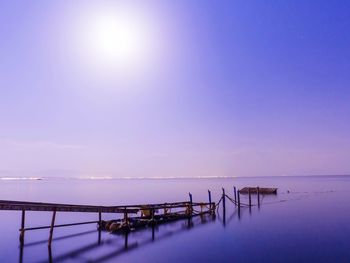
[[122, 40]]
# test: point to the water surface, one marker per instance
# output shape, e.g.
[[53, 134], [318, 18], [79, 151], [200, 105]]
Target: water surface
[[308, 221]]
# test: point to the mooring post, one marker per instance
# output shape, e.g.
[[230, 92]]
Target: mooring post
[[258, 194], [52, 226], [21, 235], [209, 195], [235, 193]]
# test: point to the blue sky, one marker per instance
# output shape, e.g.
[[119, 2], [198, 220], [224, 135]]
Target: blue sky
[[222, 88]]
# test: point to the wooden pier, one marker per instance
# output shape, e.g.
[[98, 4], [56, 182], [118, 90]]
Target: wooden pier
[[132, 217]]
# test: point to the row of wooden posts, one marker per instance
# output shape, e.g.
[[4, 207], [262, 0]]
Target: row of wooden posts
[[237, 198]]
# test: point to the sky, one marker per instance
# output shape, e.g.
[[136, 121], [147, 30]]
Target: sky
[[174, 88]]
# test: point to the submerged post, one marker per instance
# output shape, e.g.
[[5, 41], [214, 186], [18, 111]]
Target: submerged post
[[99, 218], [21, 236], [52, 226], [258, 194], [235, 193]]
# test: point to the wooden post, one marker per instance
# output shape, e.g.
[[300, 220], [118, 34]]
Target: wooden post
[[21, 236], [239, 203], [235, 193], [126, 220], [191, 201], [250, 197], [99, 219], [258, 193], [209, 195], [223, 200], [52, 226]]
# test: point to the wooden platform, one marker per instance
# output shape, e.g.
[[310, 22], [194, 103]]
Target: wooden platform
[[254, 190]]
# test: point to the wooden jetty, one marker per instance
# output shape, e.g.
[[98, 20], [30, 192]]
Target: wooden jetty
[[261, 190], [132, 217]]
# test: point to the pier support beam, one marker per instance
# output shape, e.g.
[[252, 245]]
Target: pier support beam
[[21, 235], [52, 227], [258, 194]]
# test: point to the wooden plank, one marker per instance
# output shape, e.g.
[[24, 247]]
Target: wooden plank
[[63, 208], [254, 190]]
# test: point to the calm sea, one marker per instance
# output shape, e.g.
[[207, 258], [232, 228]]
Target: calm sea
[[308, 221]]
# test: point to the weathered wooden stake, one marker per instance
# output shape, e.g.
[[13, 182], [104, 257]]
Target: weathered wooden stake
[[21, 236], [258, 193], [235, 193], [99, 218], [52, 226]]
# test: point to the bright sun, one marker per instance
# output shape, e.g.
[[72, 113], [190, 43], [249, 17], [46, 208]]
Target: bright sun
[[118, 39]]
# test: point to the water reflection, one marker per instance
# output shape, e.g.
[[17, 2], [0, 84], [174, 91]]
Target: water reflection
[[156, 233]]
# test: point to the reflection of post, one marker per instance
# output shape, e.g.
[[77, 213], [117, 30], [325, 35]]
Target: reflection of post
[[152, 232], [99, 236], [50, 254], [258, 193], [21, 253], [126, 240]]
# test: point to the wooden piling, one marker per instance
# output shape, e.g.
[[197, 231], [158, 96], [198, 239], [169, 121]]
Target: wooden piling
[[21, 236], [210, 206], [239, 204], [258, 191], [99, 218], [235, 193], [250, 197], [52, 226], [223, 200], [191, 202]]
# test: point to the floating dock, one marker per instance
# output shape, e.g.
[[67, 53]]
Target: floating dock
[[261, 190]]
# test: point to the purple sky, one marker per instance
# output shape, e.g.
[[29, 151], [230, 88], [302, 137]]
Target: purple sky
[[226, 88]]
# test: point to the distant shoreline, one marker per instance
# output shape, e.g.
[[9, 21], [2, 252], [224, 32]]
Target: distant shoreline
[[9, 178]]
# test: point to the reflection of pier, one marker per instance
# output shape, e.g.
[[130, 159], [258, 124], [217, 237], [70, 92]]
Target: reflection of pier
[[184, 225]]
